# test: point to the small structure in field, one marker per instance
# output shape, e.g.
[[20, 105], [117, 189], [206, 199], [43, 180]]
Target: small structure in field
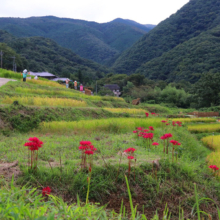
[[44, 75], [114, 88], [136, 101], [88, 92]]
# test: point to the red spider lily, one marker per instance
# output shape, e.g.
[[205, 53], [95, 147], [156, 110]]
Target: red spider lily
[[163, 121], [130, 149], [179, 123], [139, 128], [147, 114], [148, 135], [145, 130], [167, 124], [88, 152], [151, 128], [85, 143], [130, 157], [155, 144], [33, 146], [153, 113], [135, 131], [214, 167], [149, 138], [174, 144], [166, 137], [46, 191], [87, 149], [173, 123]]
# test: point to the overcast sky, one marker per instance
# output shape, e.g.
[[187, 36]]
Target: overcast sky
[[141, 11]]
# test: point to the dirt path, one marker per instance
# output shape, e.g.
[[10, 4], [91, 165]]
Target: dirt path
[[4, 80]]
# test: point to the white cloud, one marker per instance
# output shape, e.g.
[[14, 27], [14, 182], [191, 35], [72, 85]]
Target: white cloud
[[142, 11]]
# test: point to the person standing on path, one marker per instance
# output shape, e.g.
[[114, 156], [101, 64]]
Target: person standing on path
[[81, 88], [67, 83], [25, 72], [75, 85]]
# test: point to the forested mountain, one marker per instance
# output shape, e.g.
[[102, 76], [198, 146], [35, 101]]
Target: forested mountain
[[42, 54], [188, 60], [91, 40], [193, 19]]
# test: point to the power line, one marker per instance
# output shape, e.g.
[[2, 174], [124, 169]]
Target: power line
[[1, 53]]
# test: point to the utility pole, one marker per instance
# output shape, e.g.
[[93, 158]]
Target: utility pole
[[13, 63], [1, 53]]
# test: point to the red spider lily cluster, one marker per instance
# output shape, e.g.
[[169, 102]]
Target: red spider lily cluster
[[154, 114], [46, 191], [86, 148], [164, 138], [174, 143], [142, 132], [130, 151], [214, 168], [178, 123], [33, 145], [147, 114]]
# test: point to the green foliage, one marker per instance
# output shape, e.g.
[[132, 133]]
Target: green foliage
[[7, 61], [206, 90]]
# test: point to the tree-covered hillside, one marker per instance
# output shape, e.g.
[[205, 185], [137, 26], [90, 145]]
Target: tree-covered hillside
[[91, 40], [42, 54], [187, 61], [190, 21]]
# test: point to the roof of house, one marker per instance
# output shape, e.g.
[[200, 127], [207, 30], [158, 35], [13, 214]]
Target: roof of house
[[42, 74], [60, 79], [112, 86]]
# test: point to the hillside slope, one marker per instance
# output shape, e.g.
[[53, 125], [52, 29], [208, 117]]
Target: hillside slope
[[191, 20], [91, 40], [42, 54]]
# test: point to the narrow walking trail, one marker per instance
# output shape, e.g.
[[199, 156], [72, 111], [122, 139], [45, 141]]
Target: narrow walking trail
[[3, 81]]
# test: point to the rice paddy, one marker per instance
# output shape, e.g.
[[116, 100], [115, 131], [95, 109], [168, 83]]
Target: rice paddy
[[62, 91], [115, 125], [40, 101], [127, 110], [204, 128], [212, 142], [45, 83], [191, 120]]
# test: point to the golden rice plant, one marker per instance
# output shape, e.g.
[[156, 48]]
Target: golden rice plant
[[189, 120], [64, 92], [114, 125], [39, 101], [126, 110], [45, 83], [204, 128], [212, 142]]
